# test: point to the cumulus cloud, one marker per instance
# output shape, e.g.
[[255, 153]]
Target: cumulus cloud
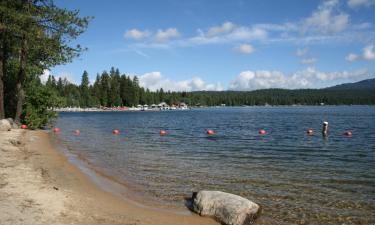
[[360, 3], [351, 57], [44, 76], [245, 49], [159, 37], [155, 81], [367, 54], [326, 19], [308, 78], [136, 34], [68, 76], [166, 35], [226, 27], [237, 34], [63, 75]]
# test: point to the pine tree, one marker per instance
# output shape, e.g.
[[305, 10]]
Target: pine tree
[[84, 89]]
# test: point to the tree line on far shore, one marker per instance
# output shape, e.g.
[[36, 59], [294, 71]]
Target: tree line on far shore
[[112, 89]]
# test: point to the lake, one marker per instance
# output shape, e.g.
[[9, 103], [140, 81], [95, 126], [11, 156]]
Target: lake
[[295, 177]]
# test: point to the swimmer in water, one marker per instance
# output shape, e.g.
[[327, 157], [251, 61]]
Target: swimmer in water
[[325, 128]]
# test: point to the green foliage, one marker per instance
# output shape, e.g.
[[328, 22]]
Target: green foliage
[[40, 100], [36, 35], [85, 99]]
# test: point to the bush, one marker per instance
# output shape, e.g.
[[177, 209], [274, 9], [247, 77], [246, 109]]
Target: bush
[[39, 102]]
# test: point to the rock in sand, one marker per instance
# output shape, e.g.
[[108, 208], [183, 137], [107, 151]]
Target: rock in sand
[[5, 125]]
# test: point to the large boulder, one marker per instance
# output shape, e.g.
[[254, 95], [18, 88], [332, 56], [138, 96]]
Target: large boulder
[[5, 125], [13, 123], [226, 208]]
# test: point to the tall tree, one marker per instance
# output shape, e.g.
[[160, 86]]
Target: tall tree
[[84, 88], [42, 34]]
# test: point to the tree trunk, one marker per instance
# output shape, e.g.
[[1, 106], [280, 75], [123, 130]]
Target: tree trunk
[[2, 72], [20, 80]]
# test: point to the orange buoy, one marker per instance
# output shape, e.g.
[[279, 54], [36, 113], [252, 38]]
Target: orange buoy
[[162, 132], [56, 130], [23, 126], [210, 132], [348, 133], [115, 131], [77, 132], [262, 132], [310, 131]]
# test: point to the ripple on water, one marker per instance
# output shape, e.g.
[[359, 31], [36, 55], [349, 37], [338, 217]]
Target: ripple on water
[[298, 179]]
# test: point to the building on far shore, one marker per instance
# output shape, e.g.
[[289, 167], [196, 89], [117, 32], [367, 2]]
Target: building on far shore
[[153, 107]]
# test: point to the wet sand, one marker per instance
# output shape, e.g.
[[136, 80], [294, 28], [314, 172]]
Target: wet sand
[[38, 185]]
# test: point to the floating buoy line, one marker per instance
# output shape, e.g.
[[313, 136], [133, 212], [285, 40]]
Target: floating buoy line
[[211, 132]]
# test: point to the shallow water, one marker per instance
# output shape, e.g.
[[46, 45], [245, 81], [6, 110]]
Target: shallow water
[[298, 179]]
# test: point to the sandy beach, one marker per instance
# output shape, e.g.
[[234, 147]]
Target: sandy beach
[[38, 185]]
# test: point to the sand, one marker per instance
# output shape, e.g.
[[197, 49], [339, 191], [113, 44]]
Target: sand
[[38, 185]]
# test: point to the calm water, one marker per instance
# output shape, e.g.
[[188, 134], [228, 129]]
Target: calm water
[[298, 179]]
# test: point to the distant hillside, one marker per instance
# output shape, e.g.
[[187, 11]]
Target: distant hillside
[[364, 84]]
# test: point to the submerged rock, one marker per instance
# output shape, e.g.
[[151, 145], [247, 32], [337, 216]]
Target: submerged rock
[[227, 208], [5, 125]]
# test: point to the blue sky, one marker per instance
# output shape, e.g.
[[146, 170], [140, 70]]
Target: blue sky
[[219, 45]]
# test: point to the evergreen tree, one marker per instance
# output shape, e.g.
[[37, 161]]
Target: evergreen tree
[[84, 90], [37, 34]]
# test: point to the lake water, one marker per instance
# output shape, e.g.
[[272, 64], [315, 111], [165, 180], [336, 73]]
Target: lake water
[[296, 178]]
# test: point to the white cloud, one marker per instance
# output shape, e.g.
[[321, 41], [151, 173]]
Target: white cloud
[[311, 60], [326, 19], [305, 56], [226, 27], [352, 57], [238, 34], [301, 52], [44, 76], [64, 75], [136, 34], [248, 33], [68, 76], [367, 54], [359, 3], [155, 81], [308, 78], [166, 35], [245, 49]]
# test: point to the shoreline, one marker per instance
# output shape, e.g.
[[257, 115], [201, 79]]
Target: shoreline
[[109, 183], [39, 185]]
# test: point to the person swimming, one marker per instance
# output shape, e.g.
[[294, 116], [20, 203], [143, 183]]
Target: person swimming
[[325, 128]]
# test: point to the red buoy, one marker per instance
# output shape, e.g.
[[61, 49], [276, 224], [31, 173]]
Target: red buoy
[[56, 130], [23, 126], [262, 132], [77, 132], [348, 133], [115, 131], [210, 132], [162, 132], [310, 131]]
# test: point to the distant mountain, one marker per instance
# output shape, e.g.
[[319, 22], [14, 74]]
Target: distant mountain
[[364, 84]]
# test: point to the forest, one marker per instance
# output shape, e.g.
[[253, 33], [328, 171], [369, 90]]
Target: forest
[[112, 89]]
